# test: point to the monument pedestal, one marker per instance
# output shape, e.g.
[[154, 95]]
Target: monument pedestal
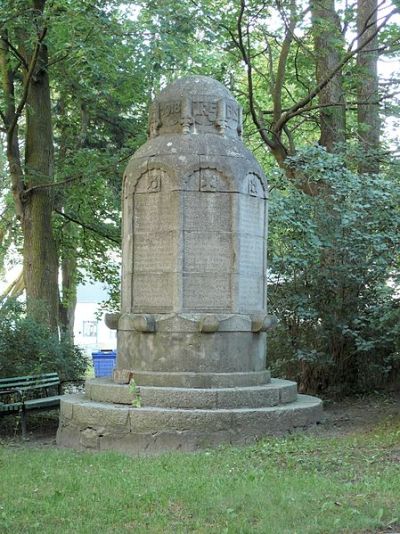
[[180, 418]]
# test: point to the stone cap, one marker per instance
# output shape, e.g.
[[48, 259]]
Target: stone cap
[[195, 105]]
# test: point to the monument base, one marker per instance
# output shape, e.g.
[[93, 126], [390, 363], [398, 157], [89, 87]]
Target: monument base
[[185, 419]]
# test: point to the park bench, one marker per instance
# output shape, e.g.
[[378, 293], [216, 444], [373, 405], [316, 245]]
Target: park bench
[[20, 394]]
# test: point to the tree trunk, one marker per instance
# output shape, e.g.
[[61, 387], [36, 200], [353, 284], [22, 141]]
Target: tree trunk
[[68, 302], [39, 250], [367, 93], [328, 46]]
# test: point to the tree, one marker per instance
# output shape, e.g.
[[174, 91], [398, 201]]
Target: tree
[[302, 85], [33, 205], [77, 80], [367, 90]]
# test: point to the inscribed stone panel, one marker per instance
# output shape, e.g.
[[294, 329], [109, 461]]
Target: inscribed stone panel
[[153, 292], [251, 254], [207, 252], [154, 252], [207, 292], [251, 293], [155, 211], [251, 215], [207, 211]]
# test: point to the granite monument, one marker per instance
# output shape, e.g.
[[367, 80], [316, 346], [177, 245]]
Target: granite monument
[[192, 332]]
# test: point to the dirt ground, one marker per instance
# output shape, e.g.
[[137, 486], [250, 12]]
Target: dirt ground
[[351, 415]]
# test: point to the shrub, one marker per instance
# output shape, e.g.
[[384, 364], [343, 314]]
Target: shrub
[[334, 276], [27, 346]]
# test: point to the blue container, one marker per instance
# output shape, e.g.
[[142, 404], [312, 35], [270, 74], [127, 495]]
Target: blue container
[[104, 363]]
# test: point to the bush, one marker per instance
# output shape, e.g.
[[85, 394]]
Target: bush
[[334, 276], [28, 347]]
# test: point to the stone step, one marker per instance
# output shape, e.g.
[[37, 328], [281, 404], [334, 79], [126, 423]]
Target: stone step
[[276, 392], [202, 380], [86, 424]]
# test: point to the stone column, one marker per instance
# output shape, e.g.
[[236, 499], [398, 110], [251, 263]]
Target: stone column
[[194, 246]]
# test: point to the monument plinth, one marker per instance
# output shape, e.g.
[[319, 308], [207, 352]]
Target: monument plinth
[[193, 321]]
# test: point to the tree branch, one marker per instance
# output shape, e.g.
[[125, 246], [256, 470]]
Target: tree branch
[[72, 179], [281, 71], [19, 56], [299, 107], [87, 226]]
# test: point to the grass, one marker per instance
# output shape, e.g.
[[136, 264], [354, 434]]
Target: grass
[[298, 484]]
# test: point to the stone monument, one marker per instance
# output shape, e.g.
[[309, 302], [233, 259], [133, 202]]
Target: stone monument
[[191, 365]]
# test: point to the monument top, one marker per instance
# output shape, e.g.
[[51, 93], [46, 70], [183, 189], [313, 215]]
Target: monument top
[[195, 105]]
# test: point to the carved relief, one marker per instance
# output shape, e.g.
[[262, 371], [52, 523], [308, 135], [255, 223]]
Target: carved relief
[[154, 120], [150, 181], [254, 187], [205, 112], [211, 180], [208, 180], [154, 181], [170, 112], [199, 114], [186, 115]]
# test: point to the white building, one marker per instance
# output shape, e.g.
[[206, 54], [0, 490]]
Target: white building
[[90, 332]]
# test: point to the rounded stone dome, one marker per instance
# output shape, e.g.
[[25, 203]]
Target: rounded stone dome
[[195, 105], [193, 86]]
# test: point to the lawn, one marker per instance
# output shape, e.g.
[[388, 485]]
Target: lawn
[[298, 484]]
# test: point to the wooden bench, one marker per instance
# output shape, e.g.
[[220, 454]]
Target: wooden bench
[[23, 393]]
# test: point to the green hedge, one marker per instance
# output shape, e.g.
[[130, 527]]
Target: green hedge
[[27, 346]]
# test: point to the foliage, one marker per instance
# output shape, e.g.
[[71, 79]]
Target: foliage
[[28, 347], [135, 390], [334, 273], [299, 483]]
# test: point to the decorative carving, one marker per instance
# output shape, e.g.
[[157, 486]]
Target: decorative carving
[[197, 114], [150, 181], [239, 122], [208, 180], [154, 120], [255, 187], [252, 186], [153, 181], [186, 115], [205, 112], [170, 112], [221, 116]]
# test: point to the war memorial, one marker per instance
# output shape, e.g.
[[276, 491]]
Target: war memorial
[[192, 332]]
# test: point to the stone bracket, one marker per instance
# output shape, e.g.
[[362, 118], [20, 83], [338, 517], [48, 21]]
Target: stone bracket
[[144, 323], [137, 322], [111, 320], [262, 323], [208, 324]]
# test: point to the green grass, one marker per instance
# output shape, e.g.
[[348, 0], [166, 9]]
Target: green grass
[[299, 484]]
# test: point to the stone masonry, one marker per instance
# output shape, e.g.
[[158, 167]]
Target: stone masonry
[[191, 365]]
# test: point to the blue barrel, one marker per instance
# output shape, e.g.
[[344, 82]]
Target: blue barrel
[[104, 363]]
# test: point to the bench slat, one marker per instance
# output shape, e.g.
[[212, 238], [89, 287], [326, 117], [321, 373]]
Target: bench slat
[[30, 385], [27, 378], [11, 407], [39, 403]]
